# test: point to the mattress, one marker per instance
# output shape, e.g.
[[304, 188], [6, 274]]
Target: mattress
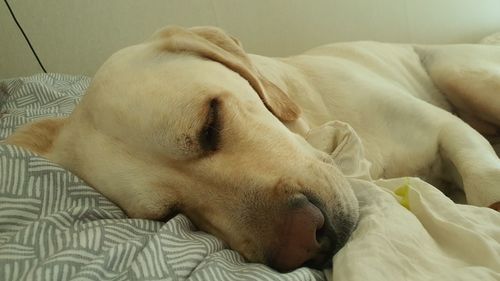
[[53, 226]]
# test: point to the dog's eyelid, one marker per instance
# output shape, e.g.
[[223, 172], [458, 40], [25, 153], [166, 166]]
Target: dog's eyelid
[[209, 137]]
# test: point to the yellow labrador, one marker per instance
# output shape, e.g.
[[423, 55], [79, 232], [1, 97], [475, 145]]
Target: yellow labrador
[[188, 122]]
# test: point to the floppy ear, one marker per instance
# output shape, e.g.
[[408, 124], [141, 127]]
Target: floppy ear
[[214, 44], [37, 136]]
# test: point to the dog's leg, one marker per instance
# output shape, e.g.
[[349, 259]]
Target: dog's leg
[[469, 76], [474, 159], [37, 136]]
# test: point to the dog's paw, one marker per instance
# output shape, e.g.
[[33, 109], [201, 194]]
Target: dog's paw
[[495, 206], [482, 188]]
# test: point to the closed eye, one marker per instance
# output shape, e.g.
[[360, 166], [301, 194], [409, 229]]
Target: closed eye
[[209, 137]]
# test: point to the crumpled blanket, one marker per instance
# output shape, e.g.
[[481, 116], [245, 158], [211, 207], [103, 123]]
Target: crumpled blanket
[[55, 227], [408, 229]]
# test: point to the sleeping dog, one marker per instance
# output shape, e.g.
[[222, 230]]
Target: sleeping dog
[[189, 122]]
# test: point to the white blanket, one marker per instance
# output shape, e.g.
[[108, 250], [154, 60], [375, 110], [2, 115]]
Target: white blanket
[[408, 229]]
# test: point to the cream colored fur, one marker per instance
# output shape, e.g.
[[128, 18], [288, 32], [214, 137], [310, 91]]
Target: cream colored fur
[[135, 136]]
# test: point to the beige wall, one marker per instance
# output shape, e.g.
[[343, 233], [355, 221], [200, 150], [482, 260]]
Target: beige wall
[[77, 36]]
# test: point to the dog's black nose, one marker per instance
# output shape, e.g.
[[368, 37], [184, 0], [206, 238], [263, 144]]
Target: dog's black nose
[[307, 237], [296, 242]]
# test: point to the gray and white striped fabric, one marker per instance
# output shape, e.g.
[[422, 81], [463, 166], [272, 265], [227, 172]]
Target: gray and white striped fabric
[[53, 226]]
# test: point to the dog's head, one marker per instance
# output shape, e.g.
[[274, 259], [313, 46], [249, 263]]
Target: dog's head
[[184, 123]]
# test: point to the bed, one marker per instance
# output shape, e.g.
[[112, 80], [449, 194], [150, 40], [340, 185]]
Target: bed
[[53, 226]]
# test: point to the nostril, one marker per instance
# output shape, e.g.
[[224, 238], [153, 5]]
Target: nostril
[[327, 240], [321, 237]]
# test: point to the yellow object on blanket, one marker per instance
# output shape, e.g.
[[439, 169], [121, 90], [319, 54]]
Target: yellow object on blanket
[[402, 195]]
